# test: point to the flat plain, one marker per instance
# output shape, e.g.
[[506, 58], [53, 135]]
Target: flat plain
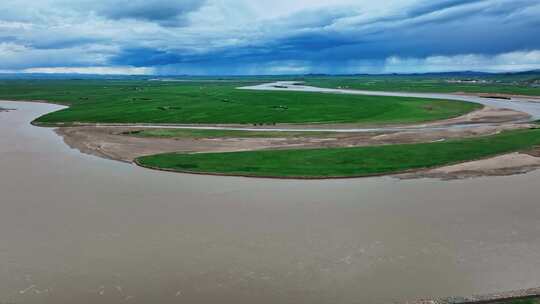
[[219, 103], [202, 101]]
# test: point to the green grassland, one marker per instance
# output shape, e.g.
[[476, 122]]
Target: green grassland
[[198, 133], [521, 85], [212, 102], [198, 102], [345, 162]]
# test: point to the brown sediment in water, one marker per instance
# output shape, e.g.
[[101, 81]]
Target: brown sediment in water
[[87, 230]]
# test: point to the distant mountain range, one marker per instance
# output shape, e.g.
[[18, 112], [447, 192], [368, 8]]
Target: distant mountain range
[[21, 76], [460, 73], [67, 76]]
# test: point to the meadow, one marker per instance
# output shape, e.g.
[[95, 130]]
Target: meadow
[[345, 162], [218, 102], [211, 101], [500, 83]]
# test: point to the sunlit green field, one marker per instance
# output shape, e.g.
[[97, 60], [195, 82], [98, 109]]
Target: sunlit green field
[[345, 162], [219, 102], [520, 85]]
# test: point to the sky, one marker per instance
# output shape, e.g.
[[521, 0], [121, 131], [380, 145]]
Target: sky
[[255, 37]]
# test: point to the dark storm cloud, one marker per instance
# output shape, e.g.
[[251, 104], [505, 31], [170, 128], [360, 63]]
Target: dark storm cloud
[[167, 12], [248, 37], [147, 57]]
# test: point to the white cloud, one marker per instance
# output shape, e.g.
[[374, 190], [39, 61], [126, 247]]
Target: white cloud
[[10, 48], [282, 67], [248, 35], [15, 56], [505, 62], [122, 70]]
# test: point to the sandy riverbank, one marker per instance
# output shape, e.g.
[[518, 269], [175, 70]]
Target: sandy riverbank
[[500, 95], [113, 144], [503, 165], [110, 141]]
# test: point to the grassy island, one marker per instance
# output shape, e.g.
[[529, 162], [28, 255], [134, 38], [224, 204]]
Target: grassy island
[[344, 162]]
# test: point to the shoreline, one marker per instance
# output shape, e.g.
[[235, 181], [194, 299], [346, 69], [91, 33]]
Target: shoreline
[[488, 120], [510, 164], [486, 115], [112, 143], [490, 298]]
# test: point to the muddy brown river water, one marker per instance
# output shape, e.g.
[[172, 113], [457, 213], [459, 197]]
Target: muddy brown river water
[[79, 229]]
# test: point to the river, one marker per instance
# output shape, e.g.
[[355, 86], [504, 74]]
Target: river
[[79, 229], [527, 105]]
